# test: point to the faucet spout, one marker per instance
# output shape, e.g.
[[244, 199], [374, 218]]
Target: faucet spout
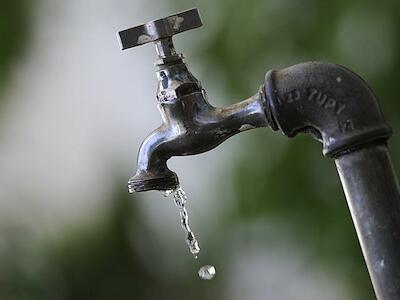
[[191, 125]]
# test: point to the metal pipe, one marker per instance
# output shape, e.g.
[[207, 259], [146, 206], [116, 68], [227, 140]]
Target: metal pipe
[[372, 193], [338, 109]]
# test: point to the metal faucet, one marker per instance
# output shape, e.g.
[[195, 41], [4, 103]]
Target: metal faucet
[[328, 101], [190, 124]]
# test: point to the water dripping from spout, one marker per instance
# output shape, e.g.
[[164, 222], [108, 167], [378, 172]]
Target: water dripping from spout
[[180, 199], [206, 272]]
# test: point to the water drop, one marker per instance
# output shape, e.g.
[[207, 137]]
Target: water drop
[[180, 199], [207, 272], [167, 193]]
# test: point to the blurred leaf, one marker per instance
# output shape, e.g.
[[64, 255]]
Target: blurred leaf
[[14, 33]]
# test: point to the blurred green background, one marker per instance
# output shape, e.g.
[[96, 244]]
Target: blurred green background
[[284, 203]]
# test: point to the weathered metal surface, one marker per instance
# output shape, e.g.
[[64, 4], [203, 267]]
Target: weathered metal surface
[[372, 193], [332, 103], [191, 125], [160, 29]]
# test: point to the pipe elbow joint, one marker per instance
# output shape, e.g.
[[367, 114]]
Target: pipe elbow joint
[[328, 101]]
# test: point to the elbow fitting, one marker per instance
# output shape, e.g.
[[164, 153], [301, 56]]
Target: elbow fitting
[[328, 101]]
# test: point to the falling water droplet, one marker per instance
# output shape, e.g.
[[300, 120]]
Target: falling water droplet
[[207, 272]]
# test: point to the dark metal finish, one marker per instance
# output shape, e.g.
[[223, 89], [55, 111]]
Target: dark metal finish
[[160, 29], [190, 126], [328, 101], [372, 194], [332, 103]]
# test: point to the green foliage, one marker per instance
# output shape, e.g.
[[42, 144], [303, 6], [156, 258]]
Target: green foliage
[[95, 261], [303, 191], [14, 29]]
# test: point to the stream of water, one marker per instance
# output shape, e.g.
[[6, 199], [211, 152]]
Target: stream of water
[[206, 272]]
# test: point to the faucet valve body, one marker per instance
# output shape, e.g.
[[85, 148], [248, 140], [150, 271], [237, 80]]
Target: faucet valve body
[[190, 124], [174, 82]]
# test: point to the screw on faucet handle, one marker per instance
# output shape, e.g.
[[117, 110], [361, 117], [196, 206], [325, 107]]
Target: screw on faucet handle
[[161, 29]]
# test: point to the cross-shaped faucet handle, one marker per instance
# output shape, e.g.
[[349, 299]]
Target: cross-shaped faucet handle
[[161, 31]]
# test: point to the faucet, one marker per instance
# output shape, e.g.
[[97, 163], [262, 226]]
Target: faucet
[[190, 124], [328, 101]]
